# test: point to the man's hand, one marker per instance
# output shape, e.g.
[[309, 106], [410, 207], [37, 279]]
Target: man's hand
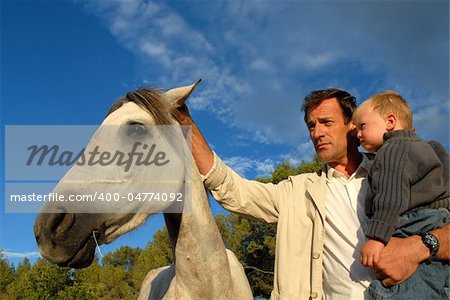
[[370, 253], [399, 259], [203, 156], [183, 116]]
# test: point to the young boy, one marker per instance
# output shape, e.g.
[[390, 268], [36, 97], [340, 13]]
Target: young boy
[[408, 195]]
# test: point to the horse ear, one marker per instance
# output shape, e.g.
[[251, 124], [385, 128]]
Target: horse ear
[[178, 95]]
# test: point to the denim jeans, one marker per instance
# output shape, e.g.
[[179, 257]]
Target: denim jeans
[[432, 279]]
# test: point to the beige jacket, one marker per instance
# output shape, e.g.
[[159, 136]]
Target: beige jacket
[[298, 206]]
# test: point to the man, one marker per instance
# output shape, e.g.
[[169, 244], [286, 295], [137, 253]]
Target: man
[[319, 215]]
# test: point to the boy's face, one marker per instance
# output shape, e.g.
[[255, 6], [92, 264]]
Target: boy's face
[[371, 127]]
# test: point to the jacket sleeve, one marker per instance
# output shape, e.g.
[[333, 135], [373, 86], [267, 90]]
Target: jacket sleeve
[[250, 198]]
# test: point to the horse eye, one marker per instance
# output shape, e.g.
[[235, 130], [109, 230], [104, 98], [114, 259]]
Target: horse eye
[[136, 130]]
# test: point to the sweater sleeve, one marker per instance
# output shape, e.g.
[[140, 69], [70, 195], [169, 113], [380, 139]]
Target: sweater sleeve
[[390, 184]]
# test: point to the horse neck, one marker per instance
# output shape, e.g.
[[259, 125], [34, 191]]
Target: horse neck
[[198, 245]]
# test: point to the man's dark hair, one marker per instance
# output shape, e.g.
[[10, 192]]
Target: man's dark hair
[[346, 101]]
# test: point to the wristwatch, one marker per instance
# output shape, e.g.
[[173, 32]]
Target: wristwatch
[[432, 243]]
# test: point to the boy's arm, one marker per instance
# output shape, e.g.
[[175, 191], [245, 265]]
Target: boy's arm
[[401, 256], [391, 184]]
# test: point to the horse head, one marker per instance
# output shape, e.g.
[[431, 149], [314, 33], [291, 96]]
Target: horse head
[[67, 232]]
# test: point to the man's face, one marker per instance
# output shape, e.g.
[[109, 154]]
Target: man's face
[[328, 131]]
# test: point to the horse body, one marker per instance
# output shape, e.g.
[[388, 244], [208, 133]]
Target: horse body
[[199, 254], [202, 268]]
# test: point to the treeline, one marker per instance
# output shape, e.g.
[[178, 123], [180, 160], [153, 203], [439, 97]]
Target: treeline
[[119, 274]]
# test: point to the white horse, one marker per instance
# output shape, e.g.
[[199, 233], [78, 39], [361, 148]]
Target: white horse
[[202, 268]]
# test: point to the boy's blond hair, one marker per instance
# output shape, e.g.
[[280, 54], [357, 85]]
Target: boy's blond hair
[[390, 102]]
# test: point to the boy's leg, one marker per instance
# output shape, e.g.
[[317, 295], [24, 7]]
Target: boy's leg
[[431, 280]]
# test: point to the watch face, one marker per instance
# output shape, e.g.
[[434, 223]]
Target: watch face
[[432, 244]]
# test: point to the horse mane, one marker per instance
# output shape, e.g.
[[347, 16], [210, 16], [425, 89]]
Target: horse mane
[[150, 99]]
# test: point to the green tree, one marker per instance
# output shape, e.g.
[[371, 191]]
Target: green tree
[[23, 267], [118, 277], [16, 289], [310, 167], [106, 281], [77, 292], [281, 172], [87, 283], [123, 257], [253, 243], [157, 253], [117, 283], [6, 273], [285, 169], [43, 281]]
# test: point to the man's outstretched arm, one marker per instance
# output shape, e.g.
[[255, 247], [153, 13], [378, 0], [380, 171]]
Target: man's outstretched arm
[[236, 194], [401, 256]]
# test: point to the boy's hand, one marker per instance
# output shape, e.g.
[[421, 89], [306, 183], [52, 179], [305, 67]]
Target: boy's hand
[[370, 253]]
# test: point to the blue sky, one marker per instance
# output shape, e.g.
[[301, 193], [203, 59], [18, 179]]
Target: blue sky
[[65, 62]]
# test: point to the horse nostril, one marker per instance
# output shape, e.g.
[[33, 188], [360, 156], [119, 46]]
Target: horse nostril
[[38, 238], [61, 223]]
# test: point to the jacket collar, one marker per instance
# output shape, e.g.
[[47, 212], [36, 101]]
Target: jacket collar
[[317, 189]]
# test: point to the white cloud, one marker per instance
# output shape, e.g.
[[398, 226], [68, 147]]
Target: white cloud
[[260, 64], [245, 166], [259, 58], [315, 61], [253, 168], [156, 50], [12, 254], [198, 102], [433, 123], [303, 152], [163, 38], [264, 168], [363, 47], [239, 164]]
